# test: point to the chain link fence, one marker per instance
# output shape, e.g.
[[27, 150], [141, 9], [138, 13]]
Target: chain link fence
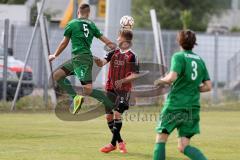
[[233, 72], [227, 48]]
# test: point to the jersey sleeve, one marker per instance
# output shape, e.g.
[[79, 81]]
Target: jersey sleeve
[[135, 64], [206, 75], [96, 32], [176, 64], [109, 55], [68, 31]]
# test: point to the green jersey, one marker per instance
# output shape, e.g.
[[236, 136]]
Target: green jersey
[[191, 72], [81, 32]]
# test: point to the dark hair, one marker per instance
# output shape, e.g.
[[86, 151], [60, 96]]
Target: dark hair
[[84, 8], [127, 34], [186, 39]]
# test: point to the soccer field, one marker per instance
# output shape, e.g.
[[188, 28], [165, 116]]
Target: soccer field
[[41, 136]]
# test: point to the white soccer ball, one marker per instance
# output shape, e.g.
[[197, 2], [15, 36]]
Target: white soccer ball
[[127, 22]]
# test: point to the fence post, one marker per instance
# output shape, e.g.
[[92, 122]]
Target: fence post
[[5, 66], [45, 73], [228, 74], [168, 51], [75, 10], [156, 35], [215, 69], [40, 62], [45, 86], [11, 32], [27, 55], [48, 69], [237, 68]]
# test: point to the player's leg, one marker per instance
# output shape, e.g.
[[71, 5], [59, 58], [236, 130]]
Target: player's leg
[[117, 132], [83, 70], [186, 130], [60, 75], [122, 106], [164, 128], [100, 96], [191, 152], [116, 129], [96, 93], [159, 152], [109, 112], [109, 147], [110, 121], [79, 99]]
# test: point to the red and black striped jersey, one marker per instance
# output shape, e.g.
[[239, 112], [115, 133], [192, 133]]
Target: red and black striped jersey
[[121, 66]]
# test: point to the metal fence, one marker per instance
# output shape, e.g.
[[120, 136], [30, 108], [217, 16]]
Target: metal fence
[[4, 59], [143, 47], [227, 46], [1, 32], [233, 72]]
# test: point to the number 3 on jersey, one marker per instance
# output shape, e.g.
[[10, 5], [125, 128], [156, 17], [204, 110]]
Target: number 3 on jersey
[[194, 71], [86, 30]]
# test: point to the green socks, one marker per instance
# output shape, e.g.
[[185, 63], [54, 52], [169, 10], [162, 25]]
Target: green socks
[[159, 151], [191, 152], [100, 96], [194, 153], [65, 84]]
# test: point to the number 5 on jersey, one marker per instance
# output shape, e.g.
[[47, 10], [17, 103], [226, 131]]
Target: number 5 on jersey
[[86, 30], [194, 73]]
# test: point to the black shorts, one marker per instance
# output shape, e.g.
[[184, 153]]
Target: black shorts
[[120, 100]]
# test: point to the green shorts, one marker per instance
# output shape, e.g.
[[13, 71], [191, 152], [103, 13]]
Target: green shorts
[[185, 120], [80, 66]]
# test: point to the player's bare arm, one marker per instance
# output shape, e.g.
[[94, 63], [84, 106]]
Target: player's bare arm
[[168, 79], [206, 86], [100, 62], [60, 49], [128, 79], [106, 41]]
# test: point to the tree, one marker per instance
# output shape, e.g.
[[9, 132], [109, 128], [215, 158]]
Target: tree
[[34, 13], [12, 1], [186, 18], [169, 12]]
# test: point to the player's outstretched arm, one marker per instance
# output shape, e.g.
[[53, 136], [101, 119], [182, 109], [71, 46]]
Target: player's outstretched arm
[[107, 42], [60, 49], [168, 79], [206, 86], [128, 79], [131, 77], [100, 62]]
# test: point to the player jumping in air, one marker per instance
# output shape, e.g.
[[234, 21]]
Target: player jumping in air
[[81, 32], [123, 70], [188, 77]]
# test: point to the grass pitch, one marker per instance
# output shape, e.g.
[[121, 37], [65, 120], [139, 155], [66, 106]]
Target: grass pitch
[[41, 136]]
